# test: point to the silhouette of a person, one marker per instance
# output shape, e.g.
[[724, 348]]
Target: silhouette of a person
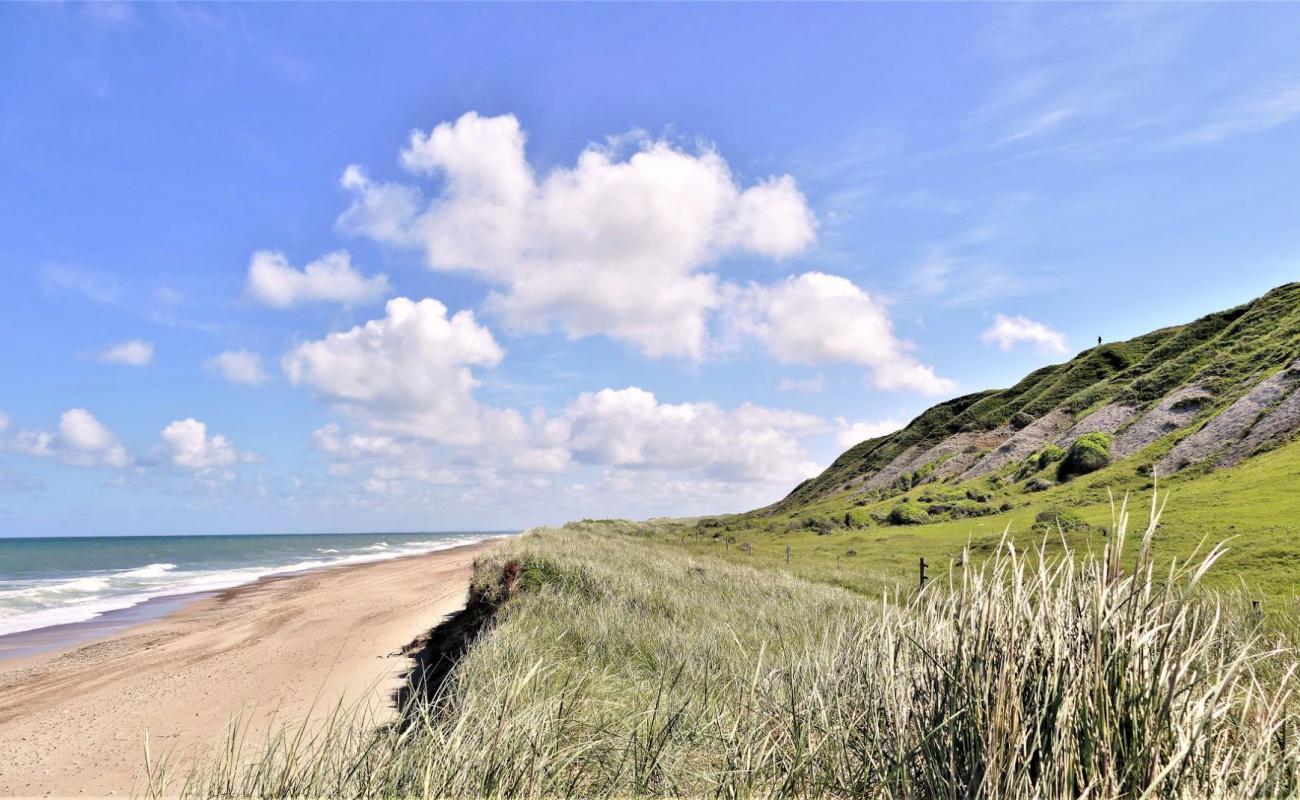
[[1099, 341]]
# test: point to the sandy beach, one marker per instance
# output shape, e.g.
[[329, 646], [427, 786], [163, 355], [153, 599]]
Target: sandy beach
[[73, 721]]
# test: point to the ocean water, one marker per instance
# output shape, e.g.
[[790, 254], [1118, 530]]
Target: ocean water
[[56, 581]]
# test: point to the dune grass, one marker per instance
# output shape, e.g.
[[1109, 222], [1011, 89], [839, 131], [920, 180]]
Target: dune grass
[[622, 664]]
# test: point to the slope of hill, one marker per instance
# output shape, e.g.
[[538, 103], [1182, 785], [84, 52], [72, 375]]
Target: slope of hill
[[1210, 409], [1209, 393]]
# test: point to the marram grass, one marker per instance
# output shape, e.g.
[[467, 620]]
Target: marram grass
[[619, 665]]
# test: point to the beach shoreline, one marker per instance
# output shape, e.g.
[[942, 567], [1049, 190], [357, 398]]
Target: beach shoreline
[[73, 718]]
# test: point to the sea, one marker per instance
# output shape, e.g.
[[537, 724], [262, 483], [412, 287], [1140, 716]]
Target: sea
[[72, 582]]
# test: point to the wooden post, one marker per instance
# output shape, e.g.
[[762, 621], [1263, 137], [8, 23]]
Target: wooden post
[[924, 577], [787, 554]]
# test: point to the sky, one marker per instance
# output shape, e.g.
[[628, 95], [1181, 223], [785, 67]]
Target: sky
[[312, 268]]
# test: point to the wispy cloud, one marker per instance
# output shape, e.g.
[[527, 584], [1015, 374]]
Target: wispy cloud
[[1260, 111], [97, 287], [814, 385], [1039, 123]]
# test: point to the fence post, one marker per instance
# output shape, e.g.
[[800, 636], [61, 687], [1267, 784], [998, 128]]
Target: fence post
[[924, 577], [787, 554]]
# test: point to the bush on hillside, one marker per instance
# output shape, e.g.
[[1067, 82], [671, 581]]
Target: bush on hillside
[[1021, 420], [1089, 453], [1039, 485], [1050, 455], [857, 519], [970, 508], [909, 514], [1059, 519]]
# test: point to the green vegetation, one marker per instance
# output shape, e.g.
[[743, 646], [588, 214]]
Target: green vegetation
[[1224, 353], [627, 665], [909, 514], [1051, 454], [1254, 507], [1089, 453]]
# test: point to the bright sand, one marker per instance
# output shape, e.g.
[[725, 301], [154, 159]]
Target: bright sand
[[73, 722]]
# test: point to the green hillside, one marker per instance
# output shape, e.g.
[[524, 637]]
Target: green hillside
[[1209, 409]]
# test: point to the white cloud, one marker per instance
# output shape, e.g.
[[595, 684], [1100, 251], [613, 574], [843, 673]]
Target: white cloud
[[239, 366], [631, 428], [81, 440], [408, 373], [612, 246], [1277, 106], [94, 286], [272, 280], [192, 447], [851, 433], [1006, 332], [353, 447], [133, 353], [814, 318], [813, 385], [1040, 123]]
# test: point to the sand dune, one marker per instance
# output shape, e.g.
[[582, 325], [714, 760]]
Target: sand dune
[[74, 722]]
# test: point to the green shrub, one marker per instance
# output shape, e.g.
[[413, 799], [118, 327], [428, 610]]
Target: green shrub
[[1059, 519], [1020, 420], [1039, 485], [970, 508], [1089, 453], [1050, 455], [976, 495], [909, 514], [857, 519], [819, 524]]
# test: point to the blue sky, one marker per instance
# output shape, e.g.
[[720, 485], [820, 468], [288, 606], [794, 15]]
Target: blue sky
[[397, 267]]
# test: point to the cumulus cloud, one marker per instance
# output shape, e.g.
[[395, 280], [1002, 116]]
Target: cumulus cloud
[[239, 366], [617, 246], [192, 447], [1007, 332], [272, 280], [132, 353], [851, 433], [408, 373], [353, 447], [815, 318], [81, 440], [631, 428]]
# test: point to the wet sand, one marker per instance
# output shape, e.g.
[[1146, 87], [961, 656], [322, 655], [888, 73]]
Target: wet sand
[[73, 721]]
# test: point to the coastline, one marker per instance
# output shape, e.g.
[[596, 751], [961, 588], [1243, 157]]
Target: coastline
[[279, 649]]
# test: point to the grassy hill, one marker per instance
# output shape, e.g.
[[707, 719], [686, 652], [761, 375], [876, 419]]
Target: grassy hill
[[1209, 410]]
